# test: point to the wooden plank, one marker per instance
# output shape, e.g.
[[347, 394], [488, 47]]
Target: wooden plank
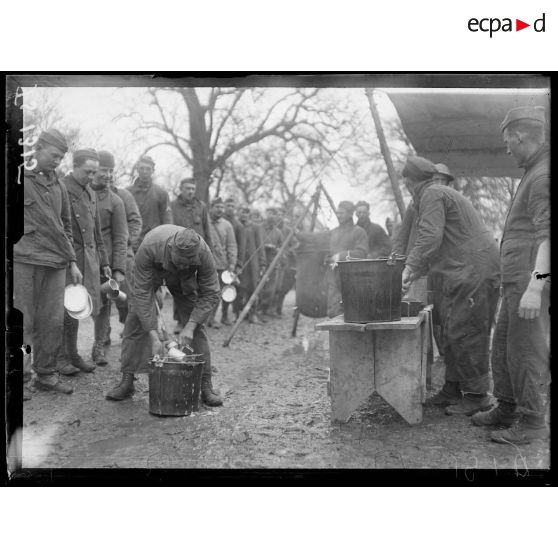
[[398, 371], [337, 324], [351, 371]]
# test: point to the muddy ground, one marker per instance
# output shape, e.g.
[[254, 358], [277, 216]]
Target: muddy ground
[[276, 415]]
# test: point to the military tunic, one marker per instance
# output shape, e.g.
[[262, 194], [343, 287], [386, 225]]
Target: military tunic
[[153, 203], [41, 258], [195, 290], [520, 351], [91, 255], [192, 214], [453, 244]]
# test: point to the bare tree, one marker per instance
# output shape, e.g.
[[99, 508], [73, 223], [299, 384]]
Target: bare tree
[[209, 127]]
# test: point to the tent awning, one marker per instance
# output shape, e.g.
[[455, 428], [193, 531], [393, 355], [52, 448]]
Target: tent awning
[[462, 128]]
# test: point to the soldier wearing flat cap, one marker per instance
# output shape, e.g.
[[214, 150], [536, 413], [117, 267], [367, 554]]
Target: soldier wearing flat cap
[[520, 351], [452, 242], [42, 257], [180, 259], [152, 200], [114, 229], [91, 255]]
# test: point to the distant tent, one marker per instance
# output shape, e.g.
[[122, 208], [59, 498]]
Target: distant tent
[[461, 127]]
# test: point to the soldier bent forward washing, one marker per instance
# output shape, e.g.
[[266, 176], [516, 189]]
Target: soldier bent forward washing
[[180, 259]]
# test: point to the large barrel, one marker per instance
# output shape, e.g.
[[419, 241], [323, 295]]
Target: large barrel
[[371, 289], [174, 387], [311, 286]]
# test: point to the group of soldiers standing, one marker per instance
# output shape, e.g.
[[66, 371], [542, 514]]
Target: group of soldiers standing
[[81, 228]]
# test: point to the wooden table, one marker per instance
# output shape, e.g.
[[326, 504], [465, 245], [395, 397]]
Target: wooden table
[[390, 358]]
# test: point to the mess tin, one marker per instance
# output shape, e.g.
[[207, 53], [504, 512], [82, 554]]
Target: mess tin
[[111, 289], [75, 298]]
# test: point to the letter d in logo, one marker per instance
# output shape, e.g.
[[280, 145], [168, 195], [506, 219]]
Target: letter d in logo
[[539, 24]]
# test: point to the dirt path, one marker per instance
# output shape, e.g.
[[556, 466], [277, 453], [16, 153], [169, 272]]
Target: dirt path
[[276, 415]]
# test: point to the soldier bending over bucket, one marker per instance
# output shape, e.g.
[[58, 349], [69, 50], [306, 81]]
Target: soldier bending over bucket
[[179, 258]]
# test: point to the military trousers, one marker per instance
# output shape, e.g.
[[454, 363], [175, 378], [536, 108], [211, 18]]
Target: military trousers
[[521, 353], [39, 295], [467, 317], [136, 343]]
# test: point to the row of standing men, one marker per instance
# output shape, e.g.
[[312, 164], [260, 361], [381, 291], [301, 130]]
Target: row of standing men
[[82, 228]]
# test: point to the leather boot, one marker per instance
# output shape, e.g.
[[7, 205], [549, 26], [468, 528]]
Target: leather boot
[[51, 382], [124, 389], [526, 430], [471, 404], [70, 348], [450, 394], [501, 416], [209, 397], [98, 354]]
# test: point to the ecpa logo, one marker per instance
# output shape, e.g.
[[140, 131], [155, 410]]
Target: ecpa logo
[[492, 25]]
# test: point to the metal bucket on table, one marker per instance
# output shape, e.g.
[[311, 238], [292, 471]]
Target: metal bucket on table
[[175, 385], [371, 289]]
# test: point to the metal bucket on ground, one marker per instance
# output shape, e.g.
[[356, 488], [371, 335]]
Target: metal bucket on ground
[[174, 386], [371, 289]]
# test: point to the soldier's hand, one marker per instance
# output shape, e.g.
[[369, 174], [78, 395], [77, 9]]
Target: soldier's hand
[[406, 280], [75, 273], [157, 347], [118, 277], [186, 336], [530, 304], [107, 271]]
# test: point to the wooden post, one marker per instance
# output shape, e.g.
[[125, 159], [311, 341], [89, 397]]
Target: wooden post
[[385, 152], [273, 263], [328, 198]]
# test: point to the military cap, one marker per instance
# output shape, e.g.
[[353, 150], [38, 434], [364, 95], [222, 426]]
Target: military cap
[[106, 159], [364, 203], [216, 200], [85, 153], [418, 169], [347, 206], [443, 169], [146, 159], [187, 180], [185, 245], [523, 113], [244, 209], [54, 137]]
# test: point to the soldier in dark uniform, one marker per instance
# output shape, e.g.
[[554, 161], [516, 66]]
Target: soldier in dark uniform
[[240, 237], [452, 241], [114, 229], [152, 200], [287, 265], [345, 241], [520, 349], [179, 258], [134, 222], [41, 257], [379, 244], [188, 211], [90, 250], [254, 265], [273, 239]]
